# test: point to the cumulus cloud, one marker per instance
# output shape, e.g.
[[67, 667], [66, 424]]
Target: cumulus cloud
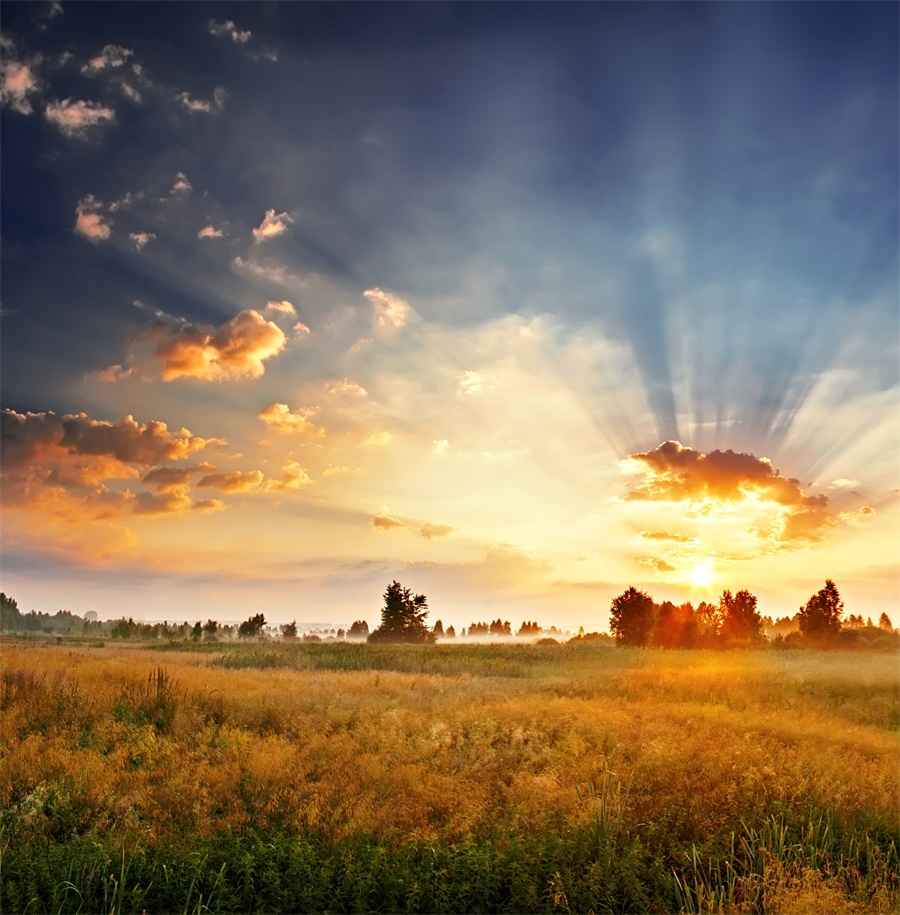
[[294, 479], [74, 117], [18, 80], [110, 57], [210, 232], [658, 565], [473, 384], [89, 221], [172, 349], [278, 416], [386, 523], [141, 239], [272, 226], [390, 311], [60, 464], [228, 28], [236, 481], [674, 473], [430, 531]]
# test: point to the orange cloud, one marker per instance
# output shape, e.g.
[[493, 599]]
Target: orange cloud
[[279, 417], [429, 531], [237, 481], [170, 349], [74, 117], [386, 523], [89, 221], [167, 479], [294, 479], [390, 311], [673, 473]]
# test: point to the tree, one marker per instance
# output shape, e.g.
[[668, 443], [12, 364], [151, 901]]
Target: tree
[[403, 617], [740, 620], [210, 630], [251, 628], [631, 617], [289, 631], [884, 622], [438, 629], [820, 617], [358, 630], [450, 633], [197, 631]]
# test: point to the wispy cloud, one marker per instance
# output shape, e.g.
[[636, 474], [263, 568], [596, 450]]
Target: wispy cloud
[[272, 226], [210, 232], [229, 29], [206, 106], [141, 239], [75, 118], [111, 57]]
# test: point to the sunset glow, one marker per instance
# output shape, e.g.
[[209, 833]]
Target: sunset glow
[[517, 305]]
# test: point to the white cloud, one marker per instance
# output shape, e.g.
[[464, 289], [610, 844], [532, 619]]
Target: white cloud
[[74, 118], [472, 384], [221, 29], [390, 310], [111, 56], [210, 232], [272, 274], [272, 225]]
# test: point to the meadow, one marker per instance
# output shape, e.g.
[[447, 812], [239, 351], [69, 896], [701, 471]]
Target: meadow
[[452, 778]]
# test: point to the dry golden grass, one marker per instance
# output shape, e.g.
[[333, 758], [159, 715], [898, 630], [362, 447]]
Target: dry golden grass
[[697, 741]]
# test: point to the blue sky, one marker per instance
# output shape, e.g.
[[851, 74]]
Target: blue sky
[[540, 239]]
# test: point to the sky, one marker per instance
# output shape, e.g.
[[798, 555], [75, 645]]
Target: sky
[[518, 304]]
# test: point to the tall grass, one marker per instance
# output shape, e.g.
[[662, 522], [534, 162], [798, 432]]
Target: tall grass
[[461, 778]]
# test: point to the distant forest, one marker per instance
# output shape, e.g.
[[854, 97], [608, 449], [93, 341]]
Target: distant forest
[[636, 620]]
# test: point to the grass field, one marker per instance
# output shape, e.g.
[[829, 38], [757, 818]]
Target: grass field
[[488, 778]]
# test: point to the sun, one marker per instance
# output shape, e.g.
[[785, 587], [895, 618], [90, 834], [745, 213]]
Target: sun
[[701, 575]]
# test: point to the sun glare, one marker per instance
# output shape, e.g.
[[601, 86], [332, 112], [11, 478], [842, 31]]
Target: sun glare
[[701, 575]]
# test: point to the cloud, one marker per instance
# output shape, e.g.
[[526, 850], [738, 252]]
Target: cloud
[[210, 232], [279, 417], [345, 388], [181, 184], [89, 222], [334, 470], [390, 311], [166, 479], [18, 81], [236, 481], [377, 439], [195, 105], [75, 118], [272, 226], [429, 531], [473, 384], [276, 275], [665, 535], [140, 239], [386, 523], [111, 56], [658, 565], [294, 479], [285, 308], [172, 349], [673, 473], [131, 93], [58, 465], [220, 29]]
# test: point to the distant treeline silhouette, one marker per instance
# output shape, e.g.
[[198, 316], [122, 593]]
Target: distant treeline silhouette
[[636, 620]]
